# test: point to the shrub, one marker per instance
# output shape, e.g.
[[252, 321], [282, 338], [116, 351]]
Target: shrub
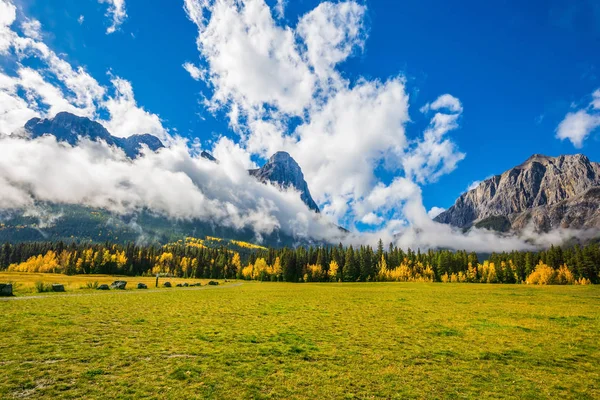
[[583, 281], [91, 285], [564, 276], [543, 275], [42, 287]]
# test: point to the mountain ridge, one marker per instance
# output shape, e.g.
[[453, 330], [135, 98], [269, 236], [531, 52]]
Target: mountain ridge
[[548, 192], [67, 127]]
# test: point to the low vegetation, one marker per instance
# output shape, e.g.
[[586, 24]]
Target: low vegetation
[[25, 284], [313, 341]]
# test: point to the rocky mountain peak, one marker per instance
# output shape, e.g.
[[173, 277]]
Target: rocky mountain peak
[[540, 190], [69, 128], [283, 170]]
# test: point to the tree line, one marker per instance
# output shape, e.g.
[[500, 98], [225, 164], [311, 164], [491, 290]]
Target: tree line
[[570, 264]]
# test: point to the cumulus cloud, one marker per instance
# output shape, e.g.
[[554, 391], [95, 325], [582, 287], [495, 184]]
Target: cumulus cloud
[[127, 118], [578, 125], [170, 182], [32, 28], [55, 86], [435, 155], [435, 211], [116, 12], [8, 15], [280, 87]]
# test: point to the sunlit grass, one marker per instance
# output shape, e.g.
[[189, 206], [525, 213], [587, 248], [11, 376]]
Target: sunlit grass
[[314, 341], [25, 283]]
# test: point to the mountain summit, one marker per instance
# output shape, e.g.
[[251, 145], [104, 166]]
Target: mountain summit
[[550, 192], [283, 170], [69, 128]]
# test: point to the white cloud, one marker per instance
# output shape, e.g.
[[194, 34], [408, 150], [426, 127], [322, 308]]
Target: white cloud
[[170, 182], [281, 90], [578, 125], [596, 100], [473, 185], [194, 71], [280, 8], [264, 75], [126, 118], [445, 101], [331, 32], [32, 28], [81, 19], [435, 211], [8, 15], [56, 86], [372, 219], [434, 155], [116, 12]]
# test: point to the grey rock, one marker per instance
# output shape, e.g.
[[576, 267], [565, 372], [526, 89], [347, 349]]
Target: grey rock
[[178, 285], [103, 287], [118, 285], [167, 284], [208, 156], [6, 289], [547, 192], [213, 283], [142, 286], [58, 288], [66, 127], [284, 171], [186, 284]]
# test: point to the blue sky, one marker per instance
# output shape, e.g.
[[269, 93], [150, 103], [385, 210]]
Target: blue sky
[[517, 68]]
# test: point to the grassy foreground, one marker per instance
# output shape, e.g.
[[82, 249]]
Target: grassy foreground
[[315, 341], [24, 283]]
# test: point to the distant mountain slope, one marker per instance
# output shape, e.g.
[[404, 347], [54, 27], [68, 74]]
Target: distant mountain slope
[[85, 224], [70, 128], [549, 192], [283, 170]]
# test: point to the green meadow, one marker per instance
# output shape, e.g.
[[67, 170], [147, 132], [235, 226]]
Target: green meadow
[[304, 341]]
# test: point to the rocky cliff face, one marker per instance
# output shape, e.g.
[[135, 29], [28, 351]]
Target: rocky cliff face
[[549, 192], [283, 170], [70, 128]]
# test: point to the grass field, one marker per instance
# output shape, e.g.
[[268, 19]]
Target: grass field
[[314, 341], [24, 283]]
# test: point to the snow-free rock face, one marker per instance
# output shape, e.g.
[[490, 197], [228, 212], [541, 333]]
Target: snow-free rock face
[[549, 192], [69, 128], [283, 170]]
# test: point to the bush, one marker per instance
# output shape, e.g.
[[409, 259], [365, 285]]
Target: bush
[[91, 285], [42, 287], [543, 275]]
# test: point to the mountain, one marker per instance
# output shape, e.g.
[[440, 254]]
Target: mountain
[[78, 223], [548, 192], [70, 128], [283, 170], [71, 222]]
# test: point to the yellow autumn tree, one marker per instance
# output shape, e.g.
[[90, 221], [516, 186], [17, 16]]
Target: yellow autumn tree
[[542, 275], [333, 270], [236, 263], [48, 263]]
